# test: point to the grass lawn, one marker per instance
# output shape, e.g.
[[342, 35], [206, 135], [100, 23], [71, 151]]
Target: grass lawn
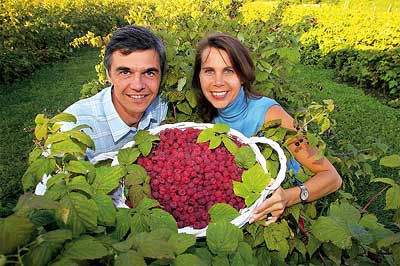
[[361, 119], [48, 91]]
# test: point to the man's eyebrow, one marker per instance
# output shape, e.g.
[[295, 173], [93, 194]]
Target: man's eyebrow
[[154, 69], [123, 68]]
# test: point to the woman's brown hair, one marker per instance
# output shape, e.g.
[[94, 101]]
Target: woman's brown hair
[[242, 64]]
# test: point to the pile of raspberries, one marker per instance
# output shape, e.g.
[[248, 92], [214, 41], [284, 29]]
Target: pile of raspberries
[[187, 178]]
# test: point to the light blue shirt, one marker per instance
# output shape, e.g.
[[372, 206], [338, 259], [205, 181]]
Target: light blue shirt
[[110, 133]]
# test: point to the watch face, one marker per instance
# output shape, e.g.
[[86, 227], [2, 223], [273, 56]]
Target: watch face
[[304, 195]]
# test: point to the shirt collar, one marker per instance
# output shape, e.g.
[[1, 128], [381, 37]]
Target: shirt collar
[[118, 127]]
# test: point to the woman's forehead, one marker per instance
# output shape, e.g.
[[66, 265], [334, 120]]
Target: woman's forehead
[[212, 55]]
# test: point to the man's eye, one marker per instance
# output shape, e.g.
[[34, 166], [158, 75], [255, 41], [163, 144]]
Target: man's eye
[[125, 72], [150, 73]]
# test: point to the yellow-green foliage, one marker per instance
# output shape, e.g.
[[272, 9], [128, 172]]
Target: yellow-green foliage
[[257, 10], [362, 43], [33, 32]]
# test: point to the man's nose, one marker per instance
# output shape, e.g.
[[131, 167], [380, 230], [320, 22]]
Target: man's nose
[[137, 82]]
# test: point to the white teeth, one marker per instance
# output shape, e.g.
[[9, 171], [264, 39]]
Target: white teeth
[[221, 93], [137, 96]]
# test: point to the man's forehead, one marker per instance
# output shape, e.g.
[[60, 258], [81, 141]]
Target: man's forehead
[[139, 59]]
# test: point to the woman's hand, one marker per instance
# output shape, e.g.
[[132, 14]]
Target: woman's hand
[[272, 208]]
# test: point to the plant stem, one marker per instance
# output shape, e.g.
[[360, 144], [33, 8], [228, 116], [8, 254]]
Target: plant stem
[[373, 198]]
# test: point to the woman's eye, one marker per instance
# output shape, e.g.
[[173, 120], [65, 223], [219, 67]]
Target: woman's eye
[[229, 71], [208, 71]]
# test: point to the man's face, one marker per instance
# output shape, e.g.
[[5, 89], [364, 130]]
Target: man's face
[[136, 79]]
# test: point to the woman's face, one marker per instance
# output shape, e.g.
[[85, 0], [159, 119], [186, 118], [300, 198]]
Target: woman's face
[[219, 81]]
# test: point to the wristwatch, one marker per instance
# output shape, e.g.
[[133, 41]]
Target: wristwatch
[[303, 194]]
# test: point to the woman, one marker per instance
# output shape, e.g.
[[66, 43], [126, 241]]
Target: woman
[[224, 73]]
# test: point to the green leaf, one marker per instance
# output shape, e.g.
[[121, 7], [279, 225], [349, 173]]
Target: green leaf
[[40, 119], [389, 241], [138, 223], [78, 212], [188, 259], [147, 204], [128, 156], [79, 167], [107, 212], [205, 135], [150, 247], [223, 237], [63, 117], [301, 247], [392, 161], [275, 237], [107, 178], [312, 245], [361, 234], [254, 181], [185, 108], [327, 229], [14, 231], [162, 219], [392, 198], [28, 202], [136, 170], [82, 137], [388, 181], [181, 84], [333, 252], [58, 236], [215, 141], [145, 148], [40, 167], [144, 138], [222, 212], [78, 183], [344, 212], [41, 131], [220, 260], [57, 137], [204, 254], [243, 256], [245, 157], [190, 96], [312, 139], [86, 248], [123, 223], [182, 242], [220, 128], [230, 145], [130, 258], [67, 146]]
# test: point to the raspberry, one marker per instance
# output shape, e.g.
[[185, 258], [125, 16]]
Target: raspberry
[[188, 178]]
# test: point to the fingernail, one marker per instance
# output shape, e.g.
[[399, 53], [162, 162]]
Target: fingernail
[[251, 220]]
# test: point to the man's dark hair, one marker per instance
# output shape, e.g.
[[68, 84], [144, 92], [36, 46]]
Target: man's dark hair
[[131, 38]]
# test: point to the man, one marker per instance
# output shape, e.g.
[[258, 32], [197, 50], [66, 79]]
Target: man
[[135, 62]]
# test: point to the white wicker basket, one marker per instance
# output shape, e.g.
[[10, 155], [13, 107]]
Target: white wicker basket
[[243, 218]]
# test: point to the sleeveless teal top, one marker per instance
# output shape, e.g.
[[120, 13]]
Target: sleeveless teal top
[[247, 116]]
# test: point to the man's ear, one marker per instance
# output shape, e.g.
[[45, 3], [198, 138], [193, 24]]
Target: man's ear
[[108, 76]]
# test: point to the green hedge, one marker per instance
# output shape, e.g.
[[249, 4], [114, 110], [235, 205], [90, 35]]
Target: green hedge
[[33, 33]]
